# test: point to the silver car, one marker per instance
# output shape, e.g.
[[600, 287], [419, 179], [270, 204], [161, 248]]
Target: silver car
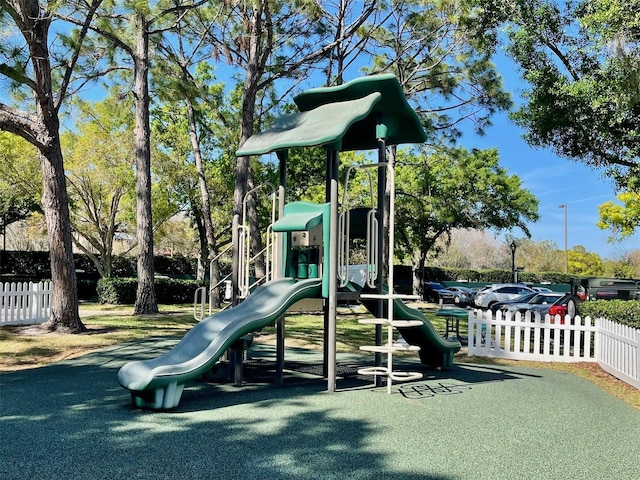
[[499, 293], [539, 303], [462, 295]]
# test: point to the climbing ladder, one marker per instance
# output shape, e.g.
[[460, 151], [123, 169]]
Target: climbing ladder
[[390, 323]]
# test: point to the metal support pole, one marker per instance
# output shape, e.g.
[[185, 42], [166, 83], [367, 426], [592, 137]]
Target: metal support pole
[[514, 276], [283, 156], [382, 187], [235, 259], [332, 303], [277, 266], [566, 246]]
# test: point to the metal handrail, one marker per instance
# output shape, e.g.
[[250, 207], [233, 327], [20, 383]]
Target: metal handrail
[[203, 295], [372, 248], [199, 300], [244, 245], [343, 248], [344, 227]]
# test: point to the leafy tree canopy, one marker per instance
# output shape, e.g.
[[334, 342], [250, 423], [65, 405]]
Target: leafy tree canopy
[[455, 188], [583, 263], [20, 179], [621, 219], [580, 63]]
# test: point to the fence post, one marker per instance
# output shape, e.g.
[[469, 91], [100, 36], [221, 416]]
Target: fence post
[[470, 335]]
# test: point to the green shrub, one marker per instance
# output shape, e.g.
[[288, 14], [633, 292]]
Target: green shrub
[[434, 274], [124, 266], [495, 276], [468, 274], [626, 312], [120, 291], [87, 289], [33, 265], [117, 290], [172, 290], [175, 265]]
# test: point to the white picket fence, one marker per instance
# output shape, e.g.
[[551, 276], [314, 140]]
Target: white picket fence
[[525, 337], [618, 350], [23, 303]]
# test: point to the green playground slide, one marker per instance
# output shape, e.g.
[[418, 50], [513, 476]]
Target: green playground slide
[[435, 350], [158, 383]]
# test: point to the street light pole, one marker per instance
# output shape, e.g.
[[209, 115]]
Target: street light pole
[[513, 247], [566, 248]]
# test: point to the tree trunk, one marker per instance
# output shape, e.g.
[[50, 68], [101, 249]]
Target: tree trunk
[[386, 213], [206, 201], [203, 254], [145, 296], [55, 200], [419, 259], [55, 204], [244, 174]]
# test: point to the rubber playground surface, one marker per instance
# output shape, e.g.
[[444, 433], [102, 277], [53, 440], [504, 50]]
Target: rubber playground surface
[[72, 420]]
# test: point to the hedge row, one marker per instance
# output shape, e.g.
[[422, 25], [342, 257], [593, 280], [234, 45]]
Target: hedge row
[[626, 312], [121, 291], [36, 265], [437, 274]]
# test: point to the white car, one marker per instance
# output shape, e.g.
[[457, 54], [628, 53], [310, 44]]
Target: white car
[[499, 293]]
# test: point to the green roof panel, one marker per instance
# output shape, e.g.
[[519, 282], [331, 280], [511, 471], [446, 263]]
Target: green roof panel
[[402, 122], [324, 125], [346, 116]]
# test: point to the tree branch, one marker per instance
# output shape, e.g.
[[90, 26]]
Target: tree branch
[[66, 79], [20, 123]]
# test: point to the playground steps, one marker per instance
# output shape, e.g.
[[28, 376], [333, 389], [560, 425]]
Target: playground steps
[[390, 347]]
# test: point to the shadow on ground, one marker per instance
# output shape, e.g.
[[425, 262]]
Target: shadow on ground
[[72, 420]]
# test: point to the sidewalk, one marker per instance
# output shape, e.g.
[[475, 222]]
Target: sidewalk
[[72, 420]]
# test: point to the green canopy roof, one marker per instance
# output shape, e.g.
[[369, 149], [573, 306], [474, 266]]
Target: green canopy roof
[[346, 116], [393, 111], [324, 125]]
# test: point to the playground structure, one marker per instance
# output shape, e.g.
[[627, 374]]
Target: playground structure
[[310, 248]]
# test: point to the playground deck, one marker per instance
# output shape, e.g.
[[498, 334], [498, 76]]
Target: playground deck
[[71, 420]]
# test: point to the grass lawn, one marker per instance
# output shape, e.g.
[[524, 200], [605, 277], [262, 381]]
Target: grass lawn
[[30, 346]]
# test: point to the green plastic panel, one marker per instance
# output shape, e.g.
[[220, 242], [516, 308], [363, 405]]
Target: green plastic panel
[[351, 116], [296, 222], [325, 125], [300, 216], [392, 113], [158, 383]]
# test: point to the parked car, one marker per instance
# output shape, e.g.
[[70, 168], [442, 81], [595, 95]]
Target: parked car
[[462, 295], [538, 304], [500, 292], [521, 299], [567, 305], [434, 292], [597, 288], [542, 289]]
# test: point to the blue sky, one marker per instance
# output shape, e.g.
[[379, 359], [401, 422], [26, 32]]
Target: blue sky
[[553, 180]]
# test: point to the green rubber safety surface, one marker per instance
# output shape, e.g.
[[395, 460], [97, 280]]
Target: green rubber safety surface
[[72, 420]]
